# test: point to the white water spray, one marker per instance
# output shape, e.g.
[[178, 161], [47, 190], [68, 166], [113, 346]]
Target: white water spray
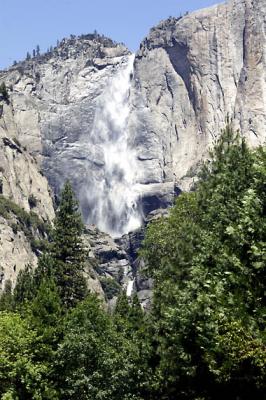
[[114, 200], [130, 286]]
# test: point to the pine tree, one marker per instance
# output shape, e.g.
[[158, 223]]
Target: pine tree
[[122, 308], [6, 298], [4, 92], [25, 288], [121, 312], [45, 310], [68, 252], [136, 314]]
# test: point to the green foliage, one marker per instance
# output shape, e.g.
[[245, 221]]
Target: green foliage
[[4, 92], [67, 250], [110, 287], [6, 298], [208, 263], [28, 223], [45, 310], [22, 376], [122, 305], [204, 338], [128, 314], [136, 315], [63, 258], [25, 289], [97, 362], [32, 201]]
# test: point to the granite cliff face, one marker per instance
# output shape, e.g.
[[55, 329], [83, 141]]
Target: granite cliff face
[[71, 107], [130, 133], [190, 73], [22, 187]]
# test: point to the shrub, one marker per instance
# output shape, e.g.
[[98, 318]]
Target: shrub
[[4, 92], [110, 287], [28, 223], [32, 201]]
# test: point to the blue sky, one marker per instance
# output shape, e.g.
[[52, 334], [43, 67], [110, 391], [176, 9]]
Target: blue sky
[[26, 23]]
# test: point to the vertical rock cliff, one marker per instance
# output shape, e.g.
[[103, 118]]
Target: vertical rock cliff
[[190, 74], [23, 191]]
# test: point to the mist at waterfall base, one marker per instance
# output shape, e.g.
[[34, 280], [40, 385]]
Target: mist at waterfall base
[[114, 198]]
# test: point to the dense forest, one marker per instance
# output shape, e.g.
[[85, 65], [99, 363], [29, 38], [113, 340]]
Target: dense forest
[[204, 338]]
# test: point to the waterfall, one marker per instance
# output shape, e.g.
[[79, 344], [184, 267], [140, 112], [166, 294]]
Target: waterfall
[[114, 198], [130, 286]]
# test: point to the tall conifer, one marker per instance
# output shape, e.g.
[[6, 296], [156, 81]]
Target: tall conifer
[[68, 252]]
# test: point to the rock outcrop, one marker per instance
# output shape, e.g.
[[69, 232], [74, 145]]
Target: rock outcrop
[[190, 74], [23, 189], [15, 253], [111, 263]]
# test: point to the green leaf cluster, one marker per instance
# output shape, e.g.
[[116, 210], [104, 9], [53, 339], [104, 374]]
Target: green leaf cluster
[[4, 92]]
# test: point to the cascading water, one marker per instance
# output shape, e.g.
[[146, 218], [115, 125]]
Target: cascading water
[[114, 200], [130, 287]]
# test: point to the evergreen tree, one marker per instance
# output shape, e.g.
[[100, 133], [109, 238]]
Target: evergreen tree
[[63, 260], [6, 298], [25, 288], [122, 307], [135, 314], [95, 361], [45, 311], [208, 260], [4, 92], [67, 251], [22, 374], [121, 312]]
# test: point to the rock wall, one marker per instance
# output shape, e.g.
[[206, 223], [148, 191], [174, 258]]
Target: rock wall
[[15, 253], [55, 98], [190, 74], [22, 182], [20, 174]]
